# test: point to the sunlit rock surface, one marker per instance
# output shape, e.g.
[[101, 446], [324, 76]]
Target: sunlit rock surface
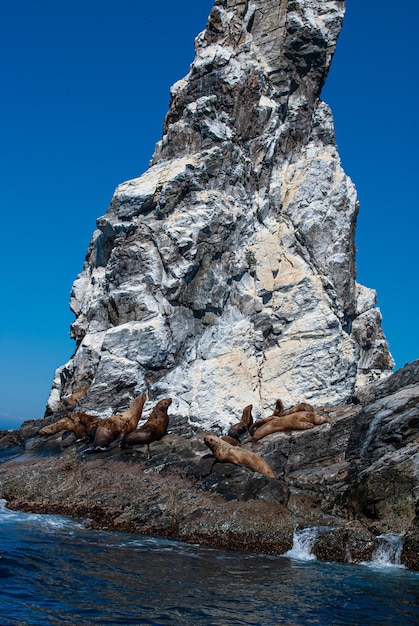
[[225, 274]]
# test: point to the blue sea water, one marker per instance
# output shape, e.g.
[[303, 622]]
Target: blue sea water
[[53, 570]]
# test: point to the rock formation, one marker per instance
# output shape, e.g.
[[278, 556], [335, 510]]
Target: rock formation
[[225, 275], [357, 475]]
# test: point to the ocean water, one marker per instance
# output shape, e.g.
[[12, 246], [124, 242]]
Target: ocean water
[[54, 570]]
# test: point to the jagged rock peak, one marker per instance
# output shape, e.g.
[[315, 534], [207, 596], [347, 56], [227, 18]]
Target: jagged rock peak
[[225, 274], [253, 60]]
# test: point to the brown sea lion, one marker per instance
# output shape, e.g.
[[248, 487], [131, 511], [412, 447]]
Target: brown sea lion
[[240, 428], [261, 422], [231, 440], [279, 408], [226, 453], [152, 430], [301, 420], [65, 423], [112, 429], [81, 424], [86, 426], [301, 406], [280, 412], [315, 418]]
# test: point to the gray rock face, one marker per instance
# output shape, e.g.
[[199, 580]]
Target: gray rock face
[[225, 274]]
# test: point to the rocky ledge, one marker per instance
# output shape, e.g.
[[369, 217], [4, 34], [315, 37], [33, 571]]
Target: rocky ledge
[[356, 475]]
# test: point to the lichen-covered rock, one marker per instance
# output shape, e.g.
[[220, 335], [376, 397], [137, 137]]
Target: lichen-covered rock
[[225, 274]]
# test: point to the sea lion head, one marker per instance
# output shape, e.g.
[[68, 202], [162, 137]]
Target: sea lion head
[[279, 407], [212, 441], [164, 403], [140, 399], [247, 418]]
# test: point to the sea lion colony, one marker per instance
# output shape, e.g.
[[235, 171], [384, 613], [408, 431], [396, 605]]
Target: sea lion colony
[[121, 429]]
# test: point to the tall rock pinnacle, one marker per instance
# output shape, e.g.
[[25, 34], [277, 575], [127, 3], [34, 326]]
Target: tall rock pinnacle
[[225, 274]]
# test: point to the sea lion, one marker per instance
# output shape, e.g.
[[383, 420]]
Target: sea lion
[[301, 420], [152, 430], [81, 424], [315, 418], [85, 427], [65, 423], [231, 440], [280, 412], [226, 453], [242, 427], [301, 406], [279, 408], [112, 429]]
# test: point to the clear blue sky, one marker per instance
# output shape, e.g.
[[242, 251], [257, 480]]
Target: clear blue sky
[[85, 88]]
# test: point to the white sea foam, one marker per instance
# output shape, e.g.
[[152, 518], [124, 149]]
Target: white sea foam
[[302, 543], [388, 552], [43, 521]]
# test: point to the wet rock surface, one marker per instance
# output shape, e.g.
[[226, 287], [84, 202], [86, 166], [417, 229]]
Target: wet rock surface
[[357, 475]]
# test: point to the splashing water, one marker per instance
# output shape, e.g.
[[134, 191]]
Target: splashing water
[[302, 543], [389, 551]]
